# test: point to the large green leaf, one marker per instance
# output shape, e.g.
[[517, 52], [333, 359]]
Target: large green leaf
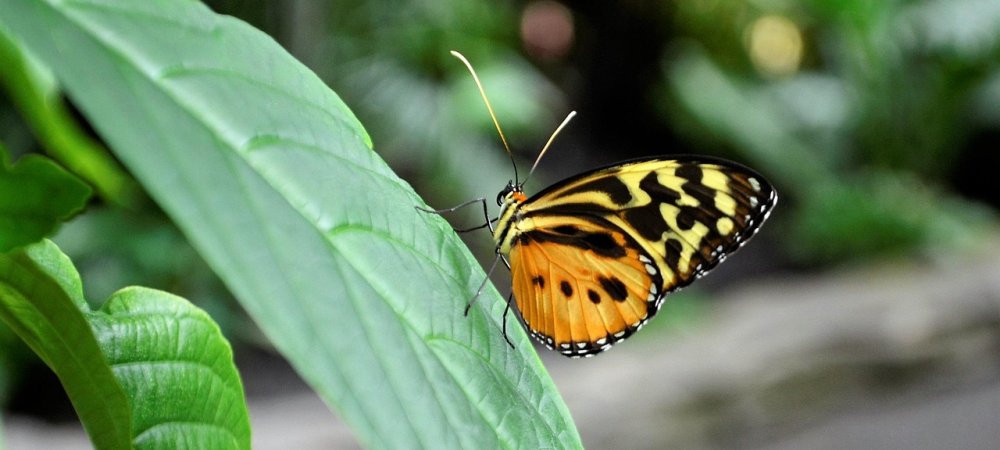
[[273, 179], [147, 370]]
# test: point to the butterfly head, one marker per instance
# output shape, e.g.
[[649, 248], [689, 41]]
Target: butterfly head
[[512, 193]]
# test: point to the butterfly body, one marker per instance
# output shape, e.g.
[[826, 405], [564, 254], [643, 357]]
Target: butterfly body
[[593, 257]]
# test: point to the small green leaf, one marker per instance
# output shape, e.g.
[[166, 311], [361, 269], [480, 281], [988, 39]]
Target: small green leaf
[[36, 196], [148, 370], [177, 371]]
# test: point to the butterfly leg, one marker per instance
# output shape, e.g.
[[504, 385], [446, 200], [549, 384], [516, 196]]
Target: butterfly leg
[[480, 227], [483, 284], [480, 200], [506, 311]]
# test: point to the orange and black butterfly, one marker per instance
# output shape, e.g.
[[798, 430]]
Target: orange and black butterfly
[[592, 257]]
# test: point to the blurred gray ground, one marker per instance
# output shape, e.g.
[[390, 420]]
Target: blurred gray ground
[[902, 356], [897, 356]]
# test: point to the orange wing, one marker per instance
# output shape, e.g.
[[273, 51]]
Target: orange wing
[[581, 287]]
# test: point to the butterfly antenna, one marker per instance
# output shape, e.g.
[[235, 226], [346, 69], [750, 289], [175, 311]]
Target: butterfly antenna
[[549, 143], [489, 107]]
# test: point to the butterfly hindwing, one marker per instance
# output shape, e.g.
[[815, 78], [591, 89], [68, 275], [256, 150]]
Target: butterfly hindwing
[[580, 286], [654, 225]]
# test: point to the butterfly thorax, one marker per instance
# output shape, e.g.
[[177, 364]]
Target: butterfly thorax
[[508, 227]]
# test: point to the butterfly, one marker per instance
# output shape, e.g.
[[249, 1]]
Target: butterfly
[[593, 257]]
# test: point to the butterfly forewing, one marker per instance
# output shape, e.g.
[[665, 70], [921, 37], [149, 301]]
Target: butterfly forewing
[[629, 233]]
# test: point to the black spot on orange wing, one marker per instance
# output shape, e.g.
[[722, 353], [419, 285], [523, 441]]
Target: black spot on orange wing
[[593, 296], [566, 289], [614, 287], [538, 280]]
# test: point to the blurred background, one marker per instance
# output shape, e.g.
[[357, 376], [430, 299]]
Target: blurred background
[[866, 314]]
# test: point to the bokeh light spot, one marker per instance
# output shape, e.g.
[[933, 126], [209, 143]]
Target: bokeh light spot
[[775, 46], [547, 29]]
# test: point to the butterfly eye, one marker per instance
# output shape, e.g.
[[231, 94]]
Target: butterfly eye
[[503, 194]]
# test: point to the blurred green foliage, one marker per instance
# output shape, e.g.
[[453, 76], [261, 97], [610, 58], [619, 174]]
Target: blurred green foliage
[[866, 135], [870, 117]]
